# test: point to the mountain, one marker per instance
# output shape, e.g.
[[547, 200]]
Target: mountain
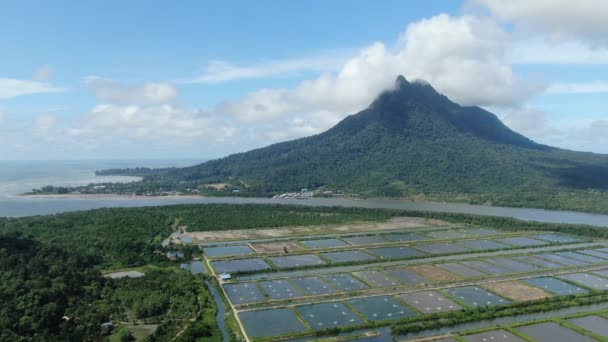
[[410, 140]]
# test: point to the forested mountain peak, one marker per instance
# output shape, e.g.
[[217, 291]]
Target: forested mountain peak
[[410, 140]]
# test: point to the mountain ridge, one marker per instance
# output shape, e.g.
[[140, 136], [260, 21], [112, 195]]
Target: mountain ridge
[[410, 140]]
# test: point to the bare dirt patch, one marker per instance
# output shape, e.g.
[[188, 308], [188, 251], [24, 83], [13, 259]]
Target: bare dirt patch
[[399, 223], [433, 273], [278, 246], [517, 291]]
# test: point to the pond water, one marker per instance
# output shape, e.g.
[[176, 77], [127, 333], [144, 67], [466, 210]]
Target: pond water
[[347, 256], [429, 302], [554, 285], [553, 332], [380, 308], [195, 267], [288, 261], [398, 252], [327, 315], [227, 250], [313, 285], [593, 323], [324, 243], [346, 282], [273, 322], [231, 266], [475, 296]]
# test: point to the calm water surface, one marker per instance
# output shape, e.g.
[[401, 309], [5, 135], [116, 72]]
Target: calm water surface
[[20, 176]]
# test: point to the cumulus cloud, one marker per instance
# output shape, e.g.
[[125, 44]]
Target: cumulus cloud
[[10, 88], [114, 92], [559, 19], [463, 57], [531, 122], [540, 51], [148, 123]]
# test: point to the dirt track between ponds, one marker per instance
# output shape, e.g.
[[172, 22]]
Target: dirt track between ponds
[[398, 223]]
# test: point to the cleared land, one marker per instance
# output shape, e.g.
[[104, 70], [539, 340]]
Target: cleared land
[[398, 223], [516, 291]]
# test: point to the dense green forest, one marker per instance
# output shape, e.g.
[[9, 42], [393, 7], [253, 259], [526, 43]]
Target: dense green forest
[[50, 268], [50, 265], [411, 141]]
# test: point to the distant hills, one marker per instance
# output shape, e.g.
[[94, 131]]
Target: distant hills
[[410, 140]]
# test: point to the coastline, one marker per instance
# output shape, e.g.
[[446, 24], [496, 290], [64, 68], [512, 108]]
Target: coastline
[[106, 196]]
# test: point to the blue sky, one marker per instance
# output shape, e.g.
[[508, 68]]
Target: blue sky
[[192, 79]]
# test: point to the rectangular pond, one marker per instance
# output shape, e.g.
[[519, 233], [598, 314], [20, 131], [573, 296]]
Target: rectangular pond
[[553, 332], [480, 231], [487, 267], [475, 296], [323, 243], [243, 293], [515, 265], [441, 248], [522, 241], [554, 285], [380, 308], [365, 240], [405, 237], [537, 261], [273, 322], [595, 253], [429, 302], [347, 256], [595, 324], [479, 245], [302, 260], [279, 289], [313, 285], [447, 234], [587, 280], [405, 276], [240, 265], [561, 259], [582, 257], [345, 282], [397, 252], [557, 238], [328, 315], [220, 251], [461, 270], [376, 278], [498, 335]]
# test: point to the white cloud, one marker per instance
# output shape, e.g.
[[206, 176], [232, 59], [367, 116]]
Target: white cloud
[[165, 122], [530, 122], [540, 51], [45, 123], [559, 19], [222, 71], [10, 88], [578, 88], [2, 117], [152, 93], [44, 73], [463, 57]]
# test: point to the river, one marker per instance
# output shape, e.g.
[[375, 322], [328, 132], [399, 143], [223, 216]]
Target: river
[[18, 177]]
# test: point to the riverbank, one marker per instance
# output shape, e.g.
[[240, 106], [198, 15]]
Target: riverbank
[[105, 196]]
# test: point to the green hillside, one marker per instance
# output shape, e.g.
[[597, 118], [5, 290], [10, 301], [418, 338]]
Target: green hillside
[[411, 141]]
